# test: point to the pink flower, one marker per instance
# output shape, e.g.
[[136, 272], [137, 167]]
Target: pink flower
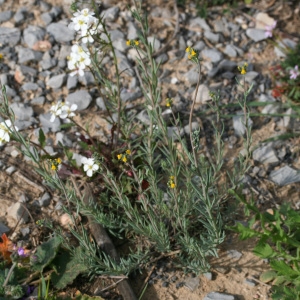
[[294, 73], [269, 29]]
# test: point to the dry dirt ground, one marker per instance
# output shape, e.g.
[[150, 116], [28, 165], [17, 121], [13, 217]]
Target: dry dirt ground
[[25, 181]]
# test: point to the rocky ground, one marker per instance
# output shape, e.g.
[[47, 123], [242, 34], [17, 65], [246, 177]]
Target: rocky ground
[[35, 42]]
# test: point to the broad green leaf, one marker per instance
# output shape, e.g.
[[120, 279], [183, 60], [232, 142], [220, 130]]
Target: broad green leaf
[[267, 276], [263, 250], [283, 268], [42, 138]]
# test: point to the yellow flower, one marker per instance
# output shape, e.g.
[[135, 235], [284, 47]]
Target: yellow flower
[[119, 156], [172, 177], [188, 49], [1, 56], [53, 167], [172, 185], [243, 71], [193, 53], [128, 152], [124, 159], [58, 160], [136, 42], [243, 68], [128, 42], [169, 102]]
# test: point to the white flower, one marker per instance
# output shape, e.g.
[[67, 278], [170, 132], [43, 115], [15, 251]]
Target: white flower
[[79, 23], [5, 128], [294, 73], [55, 111], [78, 59], [68, 111], [89, 166]]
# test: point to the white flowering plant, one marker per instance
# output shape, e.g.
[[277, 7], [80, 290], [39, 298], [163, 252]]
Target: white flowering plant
[[150, 184]]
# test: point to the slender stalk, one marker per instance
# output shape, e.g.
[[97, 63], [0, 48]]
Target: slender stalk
[[191, 116]]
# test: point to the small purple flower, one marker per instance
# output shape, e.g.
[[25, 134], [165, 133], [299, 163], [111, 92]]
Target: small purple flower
[[294, 73], [269, 29], [21, 252]]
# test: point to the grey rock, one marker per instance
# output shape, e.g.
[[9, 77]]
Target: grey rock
[[3, 228], [30, 86], [3, 79], [10, 170], [33, 34], [256, 35], [56, 11], [27, 55], [38, 101], [212, 37], [22, 112], [132, 31], [154, 42], [87, 79], [125, 66], [120, 45], [10, 92], [25, 231], [82, 98], [238, 124], [250, 282], [116, 35], [56, 81], [47, 18], [208, 275], [60, 32], [28, 72], [5, 15], [173, 133], [227, 65], [20, 15], [192, 76], [47, 61], [234, 254], [199, 46], [218, 296], [199, 22], [111, 13], [143, 117], [130, 96], [44, 6], [195, 126], [265, 154], [72, 82], [192, 283], [9, 36], [212, 54], [100, 103], [251, 76], [45, 200], [284, 176], [18, 212], [162, 58], [228, 75], [63, 139], [45, 122], [270, 108], [203, 94], [230, 51]]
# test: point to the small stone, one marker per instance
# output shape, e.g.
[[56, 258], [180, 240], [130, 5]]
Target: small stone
[[251, 76], [222, 270], [263, 20], [45, 200], [25, 231], [33, 34], [218, 296], [60, 32], [265, 154], [250, 282], [45, 122], [9, 36], [154, 42], [256, 35], [230, 51], [234, 254], [5, 15], [195, 126], [192, 283], [202, 94], [111, 13], [208, 275], [130, 96], [199, 22], [174, 278], [132, 32], [72, 82], [10, 170], [212, 37], [192, 76], [30, 86], [285, 176], [18, 212], [238, 124], [212, 54], [26, 55], [21, 111], [87, 79], [165, 284], [3, 228], [56, 82], [173, 133], [38, 101], [100, 103], [81, 98], [179, 285]]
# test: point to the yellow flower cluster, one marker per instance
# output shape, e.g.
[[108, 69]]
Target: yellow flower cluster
[[132, 43], [169, 102], [171, 182], [192, 53], [123, 157], [55, 163], [1, 56], [243, 68]]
